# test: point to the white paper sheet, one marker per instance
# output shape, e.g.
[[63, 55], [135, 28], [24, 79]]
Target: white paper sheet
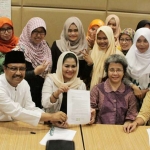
[[148, 130], [5, 8], [59, 134], [78, 107]]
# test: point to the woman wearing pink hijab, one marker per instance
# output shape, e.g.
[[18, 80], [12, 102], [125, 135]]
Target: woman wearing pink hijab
[[114, 22], [37, 54]]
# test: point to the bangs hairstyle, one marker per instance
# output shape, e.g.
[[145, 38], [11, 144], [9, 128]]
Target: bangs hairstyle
[[115, 58], [70, 55]]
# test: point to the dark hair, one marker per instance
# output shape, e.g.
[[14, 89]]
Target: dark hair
[[39, 27], [14, 57], [115, 58], [70, 55]]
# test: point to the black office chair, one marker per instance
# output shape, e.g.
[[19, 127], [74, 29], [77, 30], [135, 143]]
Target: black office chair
[[60, 145]]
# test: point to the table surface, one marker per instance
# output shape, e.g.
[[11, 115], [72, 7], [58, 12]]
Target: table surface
[[17, 136], [112, 137]]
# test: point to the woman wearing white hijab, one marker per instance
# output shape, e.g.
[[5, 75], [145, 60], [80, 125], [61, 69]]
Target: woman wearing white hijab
[[56, 85], [138, 59]]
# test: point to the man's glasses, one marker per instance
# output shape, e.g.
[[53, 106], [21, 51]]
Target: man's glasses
[[15, 69], [36, 32], [3, 30]]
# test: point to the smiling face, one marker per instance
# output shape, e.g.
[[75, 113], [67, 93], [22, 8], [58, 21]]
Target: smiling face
[[92, 31], [112, 24], [73, 33], [142, 44], [6, 32], [102, 40], [125, 42], [37, 35], [115, 73], [13, 75], [69, 69]]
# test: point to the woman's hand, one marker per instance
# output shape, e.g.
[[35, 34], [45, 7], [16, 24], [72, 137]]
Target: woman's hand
[[61, 124], [93, 115], [62, 89], [129, 127], [41, 68], [137, 91], [87, 57]]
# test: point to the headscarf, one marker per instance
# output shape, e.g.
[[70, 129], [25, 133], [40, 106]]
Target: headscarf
[[35, 54], [58, 76], [76, 46], [118, 29], [95, 22], [128, 31], [99, 56], [139, 63], [142, 24], [7, 46]]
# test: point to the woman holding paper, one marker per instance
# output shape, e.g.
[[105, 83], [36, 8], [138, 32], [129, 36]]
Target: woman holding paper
[[114, 101], [56, 85]]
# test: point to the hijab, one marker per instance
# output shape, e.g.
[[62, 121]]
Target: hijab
[[118, 29], [142, 24], [139, 63], [58, 76], [99, 56], [127, 31], [95, 22], [76, 46], [7, 46], [35, 54]]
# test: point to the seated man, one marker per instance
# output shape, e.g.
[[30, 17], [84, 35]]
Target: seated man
[[143, 116], [15, 98]]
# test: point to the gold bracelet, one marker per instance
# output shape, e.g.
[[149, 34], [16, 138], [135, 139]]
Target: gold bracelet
[[54, 96]]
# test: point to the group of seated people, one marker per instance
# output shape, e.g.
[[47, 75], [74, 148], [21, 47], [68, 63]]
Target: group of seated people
[[113, 64]]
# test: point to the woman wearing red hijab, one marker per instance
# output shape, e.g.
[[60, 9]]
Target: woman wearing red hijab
[[7, 39]]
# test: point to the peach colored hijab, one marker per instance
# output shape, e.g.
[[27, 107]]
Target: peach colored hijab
[[118, 29]]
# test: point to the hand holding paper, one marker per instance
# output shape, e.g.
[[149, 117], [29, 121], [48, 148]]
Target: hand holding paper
[[78, 107]]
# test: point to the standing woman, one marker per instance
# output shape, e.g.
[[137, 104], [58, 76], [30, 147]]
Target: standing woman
[[126, 40], [56, 85], [8, 40], [114, 22], [138, 59], [143, 24], [103, 47], [37, 54], [73, 39], [94, 25]]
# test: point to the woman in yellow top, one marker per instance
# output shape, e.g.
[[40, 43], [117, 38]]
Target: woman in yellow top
[[103, 47]]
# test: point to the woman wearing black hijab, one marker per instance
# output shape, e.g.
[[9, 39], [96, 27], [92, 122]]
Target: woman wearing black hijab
[[143, 23]]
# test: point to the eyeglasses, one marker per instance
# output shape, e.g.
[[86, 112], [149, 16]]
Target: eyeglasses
[[112, 70], [3, 30], [15, 69], [36, 32], [126, 40]]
